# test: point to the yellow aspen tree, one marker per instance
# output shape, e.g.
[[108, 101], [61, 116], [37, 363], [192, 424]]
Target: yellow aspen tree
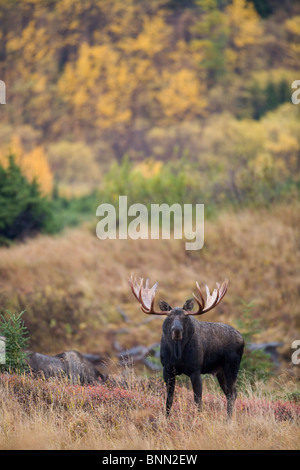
[[292, 26], [97, 87], [35, 165], [182, 95], [245, 30]]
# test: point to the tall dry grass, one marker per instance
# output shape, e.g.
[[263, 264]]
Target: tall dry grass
[[37, 415]]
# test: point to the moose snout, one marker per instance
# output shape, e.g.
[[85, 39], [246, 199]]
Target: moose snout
[[177, 331]]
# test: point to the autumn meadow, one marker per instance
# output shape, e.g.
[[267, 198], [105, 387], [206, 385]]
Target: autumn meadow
[[170, 102]]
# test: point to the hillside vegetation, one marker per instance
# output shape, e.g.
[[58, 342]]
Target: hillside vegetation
[[73, 286], [204, 81], [55, 416]]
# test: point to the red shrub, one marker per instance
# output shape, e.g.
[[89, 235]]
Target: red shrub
[[29, 391]]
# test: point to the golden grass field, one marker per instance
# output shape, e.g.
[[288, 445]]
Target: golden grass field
[[72, 286], [55, 416]]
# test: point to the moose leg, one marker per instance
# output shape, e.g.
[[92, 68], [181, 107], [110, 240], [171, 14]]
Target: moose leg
[[228, 385], [231, 401], [170, 383], [197, 388]]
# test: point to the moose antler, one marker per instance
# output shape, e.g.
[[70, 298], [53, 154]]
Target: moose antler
[[144, 295], [212, 300]]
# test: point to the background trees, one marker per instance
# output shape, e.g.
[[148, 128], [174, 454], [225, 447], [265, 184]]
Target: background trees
[[202, 81]]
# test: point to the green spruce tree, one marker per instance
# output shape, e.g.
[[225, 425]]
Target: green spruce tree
[[23, 210]]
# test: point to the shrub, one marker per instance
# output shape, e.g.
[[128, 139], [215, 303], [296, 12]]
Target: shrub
[[16, 335], [150, 182], [74, 162], [57, 317], [70, 212]]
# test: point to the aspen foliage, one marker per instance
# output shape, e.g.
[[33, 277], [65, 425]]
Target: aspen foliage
[[92, 81], [293, 30]]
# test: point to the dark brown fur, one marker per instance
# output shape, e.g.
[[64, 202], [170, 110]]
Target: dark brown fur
[[70, 364], [193, 348]]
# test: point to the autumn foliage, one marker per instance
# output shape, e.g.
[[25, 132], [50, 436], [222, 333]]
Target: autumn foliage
[[92, 81], [62, 395]]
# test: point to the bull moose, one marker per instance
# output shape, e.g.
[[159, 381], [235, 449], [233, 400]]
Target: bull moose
[[191, 347]]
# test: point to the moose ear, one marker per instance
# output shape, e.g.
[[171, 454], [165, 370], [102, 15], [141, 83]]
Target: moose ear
[[164, 306], [189, 305]]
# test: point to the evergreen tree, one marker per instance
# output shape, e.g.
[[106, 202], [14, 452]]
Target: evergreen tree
[[23, 210], [13, 329], [271, 96]]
